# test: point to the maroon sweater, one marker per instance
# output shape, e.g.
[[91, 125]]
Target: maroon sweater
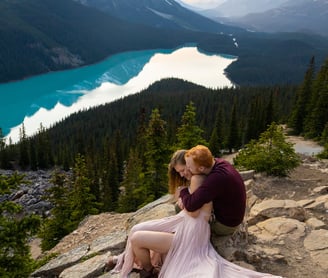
[[225, 188]]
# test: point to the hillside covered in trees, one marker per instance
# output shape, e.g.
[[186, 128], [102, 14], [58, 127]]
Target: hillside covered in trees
[[168, 115]]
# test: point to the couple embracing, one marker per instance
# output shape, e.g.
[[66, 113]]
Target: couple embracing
[[212, 198]]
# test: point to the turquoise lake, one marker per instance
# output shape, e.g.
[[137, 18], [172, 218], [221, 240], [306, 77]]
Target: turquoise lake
[[48, 98]]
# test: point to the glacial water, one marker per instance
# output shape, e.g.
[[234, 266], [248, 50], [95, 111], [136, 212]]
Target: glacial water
[[48, 98]]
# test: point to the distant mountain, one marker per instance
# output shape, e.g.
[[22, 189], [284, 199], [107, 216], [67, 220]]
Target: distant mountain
[[309, 16], [238, 8], [160, 14], [303, 16]]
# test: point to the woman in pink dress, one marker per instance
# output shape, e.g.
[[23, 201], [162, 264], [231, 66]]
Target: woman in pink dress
[[126, 261], [185, 239]]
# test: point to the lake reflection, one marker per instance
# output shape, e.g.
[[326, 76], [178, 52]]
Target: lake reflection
[[48, 98]]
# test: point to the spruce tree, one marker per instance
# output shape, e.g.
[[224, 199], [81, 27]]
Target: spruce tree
[[3, 155], [24, 159], [324, 142], [33, 159], [318, 116], [59, 224], [133, 184], [157, 155], [2, 141], [189, 134], [44, 155], [141, 137], [72, 201], [255, 123], [216, 143], [15, 230], [270, 112], [233, 141], [82, 201], [109, 181], [303, 100]]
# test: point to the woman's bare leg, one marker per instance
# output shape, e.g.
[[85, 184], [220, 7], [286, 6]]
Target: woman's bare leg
[[143, 241]]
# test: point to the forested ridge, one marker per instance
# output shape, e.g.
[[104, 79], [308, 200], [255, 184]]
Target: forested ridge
[[231, 116], [249, 109], [88, 130]]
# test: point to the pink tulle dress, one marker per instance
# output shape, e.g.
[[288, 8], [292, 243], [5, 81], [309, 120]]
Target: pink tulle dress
[[191, 254]]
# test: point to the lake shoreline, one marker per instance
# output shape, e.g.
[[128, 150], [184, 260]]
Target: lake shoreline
[[55, 96]]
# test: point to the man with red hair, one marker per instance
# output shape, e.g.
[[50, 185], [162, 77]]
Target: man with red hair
[[223, 186]]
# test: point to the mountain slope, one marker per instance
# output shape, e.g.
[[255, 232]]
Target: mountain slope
[[161, 14], [262, 57], [309, 16], [39, 36], [303, 16], [238, 8]]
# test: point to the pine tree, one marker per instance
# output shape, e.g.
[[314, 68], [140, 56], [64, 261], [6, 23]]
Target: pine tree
[[157, 155], [33, 159], [44, 155], [60, 224], [303, 100], [255, 123], [324, 142], [216, 143], [82, 202], [141, 138], [15, 257], [318, 116], [109, 181], [24, 160], [3, 153], [119, 154], [189, 134], [270, 110], [234, 134], [324, 135], [2, 141], [72, 201], [132, 186]]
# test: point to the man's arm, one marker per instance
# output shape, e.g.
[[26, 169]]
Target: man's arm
[[204, 194], [195, 183]]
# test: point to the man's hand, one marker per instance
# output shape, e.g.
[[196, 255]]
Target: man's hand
[[180, 204]]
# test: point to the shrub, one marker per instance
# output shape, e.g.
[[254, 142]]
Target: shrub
[[271, 154], [324, 153]]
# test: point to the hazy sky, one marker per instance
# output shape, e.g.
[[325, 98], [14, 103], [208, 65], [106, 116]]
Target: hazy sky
[[203, 3]]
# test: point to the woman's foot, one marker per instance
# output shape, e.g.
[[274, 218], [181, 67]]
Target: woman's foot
[[111, 263]]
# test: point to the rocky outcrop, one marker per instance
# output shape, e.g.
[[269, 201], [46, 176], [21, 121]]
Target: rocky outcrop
[[287, 237], [30, 194]]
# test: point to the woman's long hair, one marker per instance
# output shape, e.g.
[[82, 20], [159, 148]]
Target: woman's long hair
[[175, 180]]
